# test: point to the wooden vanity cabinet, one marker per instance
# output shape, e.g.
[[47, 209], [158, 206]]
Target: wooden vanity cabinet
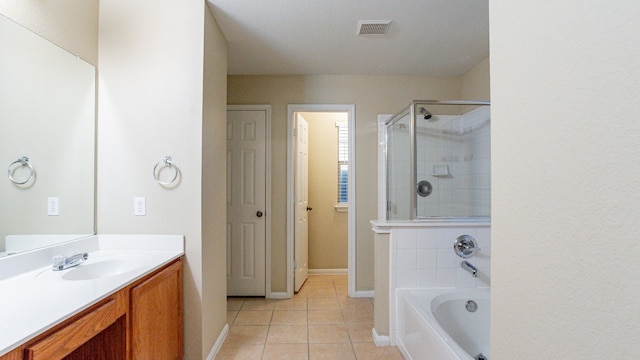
[[141, 321], [13, 355]]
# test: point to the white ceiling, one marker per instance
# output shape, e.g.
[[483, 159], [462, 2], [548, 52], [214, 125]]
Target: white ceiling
[[426, 37]]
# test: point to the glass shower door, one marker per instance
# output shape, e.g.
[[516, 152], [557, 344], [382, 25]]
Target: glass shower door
[[399, 167]]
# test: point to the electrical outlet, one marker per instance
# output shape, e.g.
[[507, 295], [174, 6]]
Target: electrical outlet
[[140, 208], [53, 206]]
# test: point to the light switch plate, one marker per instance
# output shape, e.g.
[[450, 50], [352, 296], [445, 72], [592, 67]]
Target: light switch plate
[[53, 206], [140, 208]]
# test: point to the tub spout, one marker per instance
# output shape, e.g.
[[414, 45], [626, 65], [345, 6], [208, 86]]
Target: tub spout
[[470, 268]]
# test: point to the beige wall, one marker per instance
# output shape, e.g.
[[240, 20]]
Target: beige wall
[[475, 82], [151, 105], [565, 102], [372, 95], [214, 202], [71, 24], [327, 227]]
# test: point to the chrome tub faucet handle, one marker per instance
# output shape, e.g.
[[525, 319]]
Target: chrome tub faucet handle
[[465, 246]]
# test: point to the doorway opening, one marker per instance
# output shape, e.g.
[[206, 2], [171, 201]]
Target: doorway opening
[[341, 179]]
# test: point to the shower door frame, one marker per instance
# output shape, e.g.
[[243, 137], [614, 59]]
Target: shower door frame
[[411, 110]]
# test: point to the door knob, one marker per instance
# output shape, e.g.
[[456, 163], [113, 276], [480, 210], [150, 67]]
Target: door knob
[[259, 214], [309, 208]]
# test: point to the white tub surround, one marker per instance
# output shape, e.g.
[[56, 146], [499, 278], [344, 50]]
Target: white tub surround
[[34, 298], [435, 324], [421, 256]]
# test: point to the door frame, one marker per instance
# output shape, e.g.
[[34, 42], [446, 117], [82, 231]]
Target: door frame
[[268, 214], [350, 109]]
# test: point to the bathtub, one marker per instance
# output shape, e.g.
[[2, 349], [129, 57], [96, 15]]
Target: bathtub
[[434, 324]]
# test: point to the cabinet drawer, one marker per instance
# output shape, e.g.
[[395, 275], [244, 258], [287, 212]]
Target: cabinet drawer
[[78, 331]]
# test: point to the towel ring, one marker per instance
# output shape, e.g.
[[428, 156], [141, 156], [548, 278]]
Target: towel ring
[[23, 161], [165, 162]]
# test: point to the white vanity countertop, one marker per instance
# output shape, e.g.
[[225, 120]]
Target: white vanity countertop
[[33, 298]]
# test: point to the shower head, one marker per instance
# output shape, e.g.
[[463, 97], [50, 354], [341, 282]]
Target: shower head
[[427, 114]]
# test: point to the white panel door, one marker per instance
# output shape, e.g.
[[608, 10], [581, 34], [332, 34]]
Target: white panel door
[[301, 244], [246, 200]]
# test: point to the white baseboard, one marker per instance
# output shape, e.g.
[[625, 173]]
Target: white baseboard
[[278, 295], [364, 294], [218, 345], [328, 271], [380, 340]]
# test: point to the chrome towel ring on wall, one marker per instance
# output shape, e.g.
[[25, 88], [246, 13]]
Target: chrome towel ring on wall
[[23, 161], [166, 162]]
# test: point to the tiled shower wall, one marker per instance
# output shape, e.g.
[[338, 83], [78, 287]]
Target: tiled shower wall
[[422, 256], [462, 144], [481, 167]]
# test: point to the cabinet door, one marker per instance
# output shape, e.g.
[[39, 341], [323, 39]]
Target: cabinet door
[[156, 316]]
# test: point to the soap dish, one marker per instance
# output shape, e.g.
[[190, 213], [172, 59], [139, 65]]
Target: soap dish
[[440, 171]]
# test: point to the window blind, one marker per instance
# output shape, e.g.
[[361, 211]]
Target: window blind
[[343, 161]]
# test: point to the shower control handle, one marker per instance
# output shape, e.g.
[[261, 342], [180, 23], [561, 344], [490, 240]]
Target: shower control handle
[[465, 246]]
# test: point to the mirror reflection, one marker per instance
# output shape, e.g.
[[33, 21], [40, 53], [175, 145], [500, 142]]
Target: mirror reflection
[[47, 131]]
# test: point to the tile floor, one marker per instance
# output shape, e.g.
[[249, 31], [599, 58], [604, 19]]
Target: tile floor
[[320, 322]]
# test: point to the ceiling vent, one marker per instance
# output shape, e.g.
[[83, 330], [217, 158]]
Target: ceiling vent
[[373, 27]]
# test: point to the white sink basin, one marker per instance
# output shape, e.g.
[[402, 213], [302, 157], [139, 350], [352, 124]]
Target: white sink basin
[[96, 267]]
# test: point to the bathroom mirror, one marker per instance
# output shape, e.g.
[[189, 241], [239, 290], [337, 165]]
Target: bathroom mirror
[[47, 114]]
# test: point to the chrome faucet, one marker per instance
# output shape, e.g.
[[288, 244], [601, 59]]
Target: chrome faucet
[[470, 268], [465, 246], [61, 262]]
